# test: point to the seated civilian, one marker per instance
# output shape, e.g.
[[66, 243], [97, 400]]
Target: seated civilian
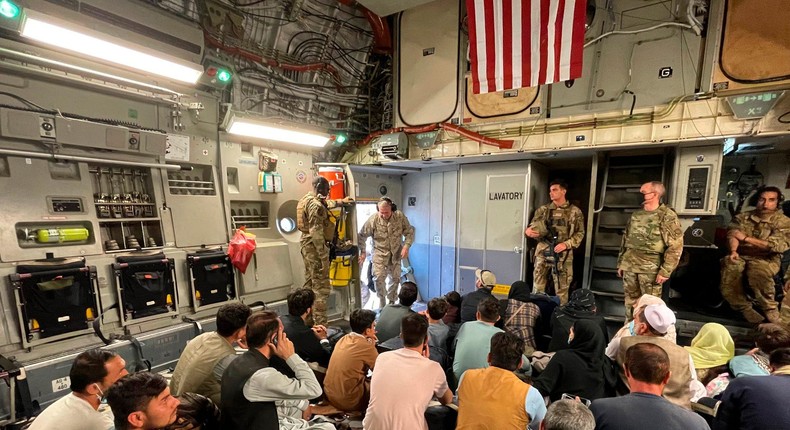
[[388, 325], [437, 329], [484, 283], [346, 384], [628, 329], [758, 402], [142, 401], [580, 306], [712, 349], [520, 315], [495, 397], [473, 342], [647, 367], [568, 415], [405, 381], [311, 343], [91, 375], [770, 337], [257, 395], [198, 369], [581, 370], [453, 308], [651, 324]]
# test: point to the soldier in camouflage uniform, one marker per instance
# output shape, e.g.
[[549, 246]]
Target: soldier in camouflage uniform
[[392, 237], [651, 247], [312, 219], [757, 240], [559, 228]]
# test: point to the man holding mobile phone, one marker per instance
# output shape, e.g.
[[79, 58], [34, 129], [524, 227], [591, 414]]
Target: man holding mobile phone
[[250, 386]]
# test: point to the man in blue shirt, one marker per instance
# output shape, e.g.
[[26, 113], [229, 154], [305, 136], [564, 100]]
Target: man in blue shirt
[[647, 369]]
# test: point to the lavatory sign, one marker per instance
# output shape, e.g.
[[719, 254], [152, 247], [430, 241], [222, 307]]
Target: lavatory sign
[[507, 195]]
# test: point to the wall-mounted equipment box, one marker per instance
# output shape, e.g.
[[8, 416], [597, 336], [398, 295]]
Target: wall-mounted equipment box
[[697, 180]]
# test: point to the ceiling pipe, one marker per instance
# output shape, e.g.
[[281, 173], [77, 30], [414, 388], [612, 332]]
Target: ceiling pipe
[[469, 134], [382, 39]]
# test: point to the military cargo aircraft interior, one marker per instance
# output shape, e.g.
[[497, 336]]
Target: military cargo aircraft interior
[[262, 210]]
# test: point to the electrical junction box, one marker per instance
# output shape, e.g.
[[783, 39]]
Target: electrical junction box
[[394, 146], [696, 186]]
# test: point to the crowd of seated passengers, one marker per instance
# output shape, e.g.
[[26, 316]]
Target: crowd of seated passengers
[[271, 387]]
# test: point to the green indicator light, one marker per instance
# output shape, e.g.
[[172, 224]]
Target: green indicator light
[[223, 75], [340, 138], [8, 9]]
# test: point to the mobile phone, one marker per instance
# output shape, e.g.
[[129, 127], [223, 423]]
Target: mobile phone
[[585, 402], [274, 340]]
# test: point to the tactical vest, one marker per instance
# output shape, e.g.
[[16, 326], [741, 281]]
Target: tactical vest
[[560, 222], [301, 213], [644, 231]]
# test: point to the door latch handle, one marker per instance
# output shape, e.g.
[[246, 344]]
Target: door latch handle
[[518, 250]]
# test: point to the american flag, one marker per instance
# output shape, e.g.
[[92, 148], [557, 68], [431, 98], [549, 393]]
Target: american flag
[[524, 43]]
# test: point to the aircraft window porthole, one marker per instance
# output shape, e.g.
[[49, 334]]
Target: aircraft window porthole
[[287, 225]]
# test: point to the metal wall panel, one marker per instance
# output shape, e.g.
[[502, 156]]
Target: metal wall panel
[[428, 60]]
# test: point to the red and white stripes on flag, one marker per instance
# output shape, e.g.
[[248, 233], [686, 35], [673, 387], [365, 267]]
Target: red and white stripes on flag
[[524, 43]]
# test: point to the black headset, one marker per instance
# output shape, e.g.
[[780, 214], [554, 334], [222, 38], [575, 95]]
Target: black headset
[[388, 200]]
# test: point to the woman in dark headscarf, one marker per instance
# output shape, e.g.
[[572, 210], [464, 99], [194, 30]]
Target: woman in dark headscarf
[[580, 306], [581, 370], [519, 315]]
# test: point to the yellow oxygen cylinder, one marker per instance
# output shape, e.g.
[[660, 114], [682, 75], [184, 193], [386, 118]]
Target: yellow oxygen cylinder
[[60, 235]]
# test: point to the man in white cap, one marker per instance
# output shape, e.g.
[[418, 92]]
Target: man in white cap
[[484, 283], [650, 325]]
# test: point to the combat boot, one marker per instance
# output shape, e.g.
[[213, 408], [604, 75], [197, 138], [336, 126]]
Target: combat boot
[[773, 316], [752, 316]]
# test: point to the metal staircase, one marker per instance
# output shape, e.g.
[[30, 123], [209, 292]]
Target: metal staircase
[[619, 198]]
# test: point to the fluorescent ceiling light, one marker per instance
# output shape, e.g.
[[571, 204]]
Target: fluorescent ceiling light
[[91, 46], [251, 128]]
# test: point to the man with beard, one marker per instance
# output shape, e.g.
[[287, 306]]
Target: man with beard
[[756, 242], [651, 247]]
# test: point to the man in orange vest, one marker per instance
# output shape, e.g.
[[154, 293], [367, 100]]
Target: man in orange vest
[[494, 397]]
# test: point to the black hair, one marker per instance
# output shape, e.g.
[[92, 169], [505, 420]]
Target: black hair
[[361, 320], [132, 393], [231, 317], [647, 362], [89, 368], [770, 189], [413, 330], [437, 307], [506, 350], [261, 327], [560, 182], [489, 309], [780, 358], [299, 301], [453, 298], [407, 294], [771, 337]]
